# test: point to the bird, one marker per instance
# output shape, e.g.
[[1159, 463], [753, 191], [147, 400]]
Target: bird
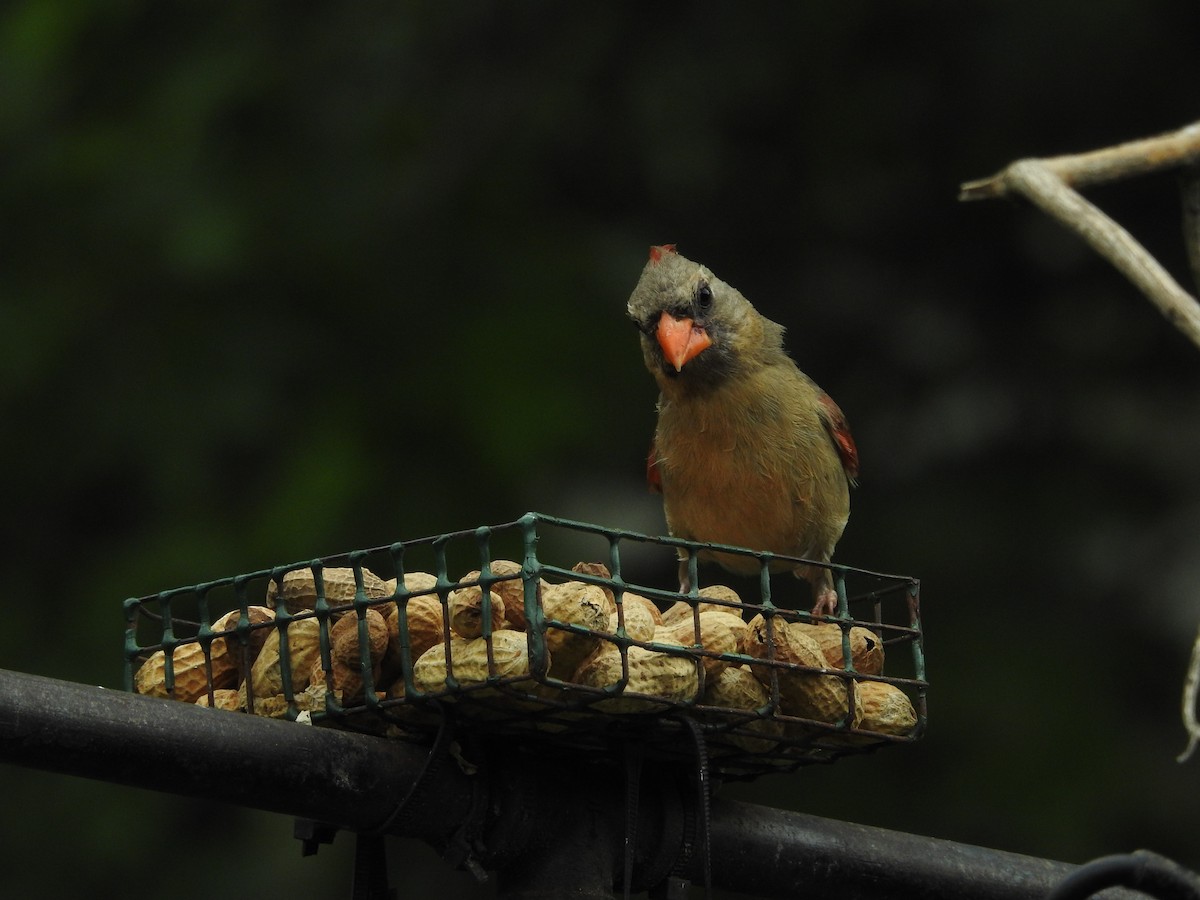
[[747, 449]]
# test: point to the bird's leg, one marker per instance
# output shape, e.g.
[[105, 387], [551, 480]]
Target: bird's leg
[[685, 581], [825, 598]]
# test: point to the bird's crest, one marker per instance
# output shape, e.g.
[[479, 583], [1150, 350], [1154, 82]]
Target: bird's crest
[[659, 251]]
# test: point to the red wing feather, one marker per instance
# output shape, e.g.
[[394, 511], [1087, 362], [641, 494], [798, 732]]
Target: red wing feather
[[653, 476], [839, 430]]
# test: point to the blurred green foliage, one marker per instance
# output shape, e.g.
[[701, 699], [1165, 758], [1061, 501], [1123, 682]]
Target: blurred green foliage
[[281, 281]]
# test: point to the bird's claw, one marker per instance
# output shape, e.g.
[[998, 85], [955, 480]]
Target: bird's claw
[[827, 602]]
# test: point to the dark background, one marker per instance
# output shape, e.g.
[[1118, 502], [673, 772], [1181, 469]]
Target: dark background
[[284, 281]]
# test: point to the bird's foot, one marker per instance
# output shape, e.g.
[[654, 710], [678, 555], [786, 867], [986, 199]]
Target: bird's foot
[[827, 602]]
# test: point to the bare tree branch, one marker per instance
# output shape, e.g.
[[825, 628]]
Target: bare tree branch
[[1048, 184], [1166, 151], [1190, 689]]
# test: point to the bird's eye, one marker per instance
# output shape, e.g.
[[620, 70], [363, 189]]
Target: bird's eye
[[704, 298]]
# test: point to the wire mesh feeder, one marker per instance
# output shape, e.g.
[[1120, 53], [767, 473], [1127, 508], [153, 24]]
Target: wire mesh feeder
[[480, 626]]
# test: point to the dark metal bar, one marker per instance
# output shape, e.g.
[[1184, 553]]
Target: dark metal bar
[[823, 858], [548, 826], [349, 780]]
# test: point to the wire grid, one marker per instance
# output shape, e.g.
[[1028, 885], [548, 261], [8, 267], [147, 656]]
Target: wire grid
[[533, 706]]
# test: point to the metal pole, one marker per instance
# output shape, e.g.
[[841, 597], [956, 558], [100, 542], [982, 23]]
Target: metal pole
[[528, 818], [349, 780], [814, 857]]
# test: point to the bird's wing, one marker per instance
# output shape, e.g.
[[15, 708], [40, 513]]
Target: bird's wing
[[839, 430], [653, 476]]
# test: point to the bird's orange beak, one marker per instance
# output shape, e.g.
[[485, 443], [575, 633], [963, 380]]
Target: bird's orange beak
[[681, 339]]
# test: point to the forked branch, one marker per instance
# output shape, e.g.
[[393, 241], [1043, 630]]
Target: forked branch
[[1050, 184]]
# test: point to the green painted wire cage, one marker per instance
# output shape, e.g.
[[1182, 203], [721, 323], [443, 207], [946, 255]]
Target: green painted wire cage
[[547, 632]]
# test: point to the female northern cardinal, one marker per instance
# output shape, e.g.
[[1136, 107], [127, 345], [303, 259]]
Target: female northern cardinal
[[748, 450]]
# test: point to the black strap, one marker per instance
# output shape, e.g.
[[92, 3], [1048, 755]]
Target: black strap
[[703, 833], [410, 805], [634, 755]]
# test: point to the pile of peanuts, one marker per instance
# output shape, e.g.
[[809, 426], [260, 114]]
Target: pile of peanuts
[[694, 660]]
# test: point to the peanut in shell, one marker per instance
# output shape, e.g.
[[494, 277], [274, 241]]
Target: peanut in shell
[[345, 656], [574, 603], [735, 687], [424, 618], [646, 603], [297, 590], [598, 570], [866, 647], [723, 593], [244, 654], [886, 710], [511, 590], [802, 693], [191, 672], [639, 624], [304, 647], [719, 631], [465, 606], [344, 638], [682, 610], [469, 662], [651, 672]]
